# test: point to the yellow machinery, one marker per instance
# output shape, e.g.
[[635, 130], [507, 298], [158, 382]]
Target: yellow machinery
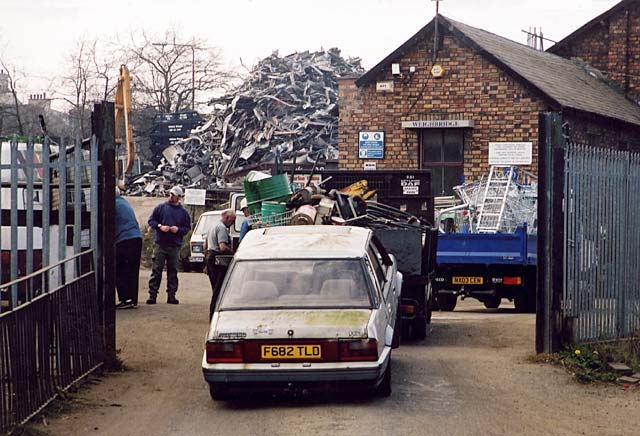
[[123, 111]]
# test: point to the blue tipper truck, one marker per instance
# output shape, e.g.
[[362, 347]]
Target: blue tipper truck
[[488, 267]]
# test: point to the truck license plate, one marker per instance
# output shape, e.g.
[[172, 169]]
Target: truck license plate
[[467, 280], [291, 352]]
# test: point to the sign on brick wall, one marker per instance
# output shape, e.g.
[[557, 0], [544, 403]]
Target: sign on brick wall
[[510, 153], [371, 145]]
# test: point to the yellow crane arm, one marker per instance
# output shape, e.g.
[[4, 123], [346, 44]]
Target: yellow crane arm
[[123, 110]]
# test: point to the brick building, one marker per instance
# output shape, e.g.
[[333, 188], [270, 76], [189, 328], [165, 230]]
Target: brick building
[[611, 43], [441, 112]]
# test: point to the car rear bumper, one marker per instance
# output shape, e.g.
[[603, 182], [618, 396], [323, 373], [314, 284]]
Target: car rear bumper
[[358, 373]]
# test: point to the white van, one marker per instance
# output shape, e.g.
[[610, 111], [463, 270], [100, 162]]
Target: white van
[[207, 221]]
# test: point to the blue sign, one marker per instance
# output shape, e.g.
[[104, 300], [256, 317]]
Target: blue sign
[[371, 145]]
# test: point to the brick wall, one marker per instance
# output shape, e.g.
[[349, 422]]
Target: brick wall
[[613, 46], [471, 88], [588, 131]]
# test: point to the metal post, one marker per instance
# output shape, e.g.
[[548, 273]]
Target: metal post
[[14, 220], [193, 77], [104, 129], [549, 319]]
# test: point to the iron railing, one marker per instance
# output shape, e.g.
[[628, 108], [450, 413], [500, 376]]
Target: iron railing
[[50, 323], [49, 342]]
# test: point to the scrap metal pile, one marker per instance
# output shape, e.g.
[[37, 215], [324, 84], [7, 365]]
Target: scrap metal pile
[[286, 110], [352, 205]]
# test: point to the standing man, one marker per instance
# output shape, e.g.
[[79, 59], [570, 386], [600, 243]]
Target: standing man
[[171, 222], [128, 251], [219, 243]]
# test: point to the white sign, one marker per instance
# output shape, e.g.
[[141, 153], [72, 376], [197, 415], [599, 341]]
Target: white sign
[[437, 124], [195, 197], [370, 166], [510, 153], [384, 86], [410, 186], [371, 145]]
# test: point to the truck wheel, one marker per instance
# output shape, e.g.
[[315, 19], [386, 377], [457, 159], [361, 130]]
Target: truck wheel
[[384, 388], [492, 302], [446, 302], [520, 301], [430, 304], [419, 328], [219, 392]]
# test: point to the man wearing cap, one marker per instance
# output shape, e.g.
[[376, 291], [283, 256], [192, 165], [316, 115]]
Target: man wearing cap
[[171, 222]]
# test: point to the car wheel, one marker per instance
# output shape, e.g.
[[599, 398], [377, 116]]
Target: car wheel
[[446, 302], [197, 267], [384, 388], [218, 392], [492, 302]]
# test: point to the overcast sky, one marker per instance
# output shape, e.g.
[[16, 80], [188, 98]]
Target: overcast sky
[[37, 35]]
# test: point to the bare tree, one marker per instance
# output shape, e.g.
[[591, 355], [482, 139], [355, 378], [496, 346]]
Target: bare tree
[[173, 73], [92, 76], [12, 110], [78, 84]]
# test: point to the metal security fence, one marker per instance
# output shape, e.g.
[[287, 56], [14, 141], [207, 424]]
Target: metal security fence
[[52, 318], [588, 239], [48, 343], [601, 298]]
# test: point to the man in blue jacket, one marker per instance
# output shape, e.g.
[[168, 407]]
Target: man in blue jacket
[[171, 222], [128, 250]]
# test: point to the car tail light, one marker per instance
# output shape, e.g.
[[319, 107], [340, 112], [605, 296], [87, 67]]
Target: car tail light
[[6, 257], [407, 309], [225, 352], [361, 349], [512, 280]]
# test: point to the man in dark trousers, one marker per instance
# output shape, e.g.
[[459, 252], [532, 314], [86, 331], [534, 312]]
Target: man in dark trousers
[[171, 222], [219, 251], [128, 251]]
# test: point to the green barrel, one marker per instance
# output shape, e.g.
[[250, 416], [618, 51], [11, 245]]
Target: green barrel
[[272, 213], [275, 188]]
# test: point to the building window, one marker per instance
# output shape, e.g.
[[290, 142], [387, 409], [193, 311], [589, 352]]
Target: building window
[[443, 154]]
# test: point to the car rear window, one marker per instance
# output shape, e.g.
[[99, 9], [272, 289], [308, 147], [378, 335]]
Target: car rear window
[[296, 284]]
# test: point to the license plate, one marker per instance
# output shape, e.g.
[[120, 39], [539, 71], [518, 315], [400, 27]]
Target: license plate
[[291, 352], [196, 259], [467, 280]]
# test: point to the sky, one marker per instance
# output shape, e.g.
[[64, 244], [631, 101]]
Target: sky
[[38, 35]]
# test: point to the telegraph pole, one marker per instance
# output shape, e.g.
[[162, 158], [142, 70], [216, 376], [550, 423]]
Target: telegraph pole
[[435, 31]]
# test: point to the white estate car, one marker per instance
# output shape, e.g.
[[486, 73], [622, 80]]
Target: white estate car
[[305, 307]]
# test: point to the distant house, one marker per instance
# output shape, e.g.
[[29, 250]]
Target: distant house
[[611, 43], [440, 112]]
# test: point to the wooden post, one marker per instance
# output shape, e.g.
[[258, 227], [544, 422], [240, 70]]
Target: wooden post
[[103, 120]]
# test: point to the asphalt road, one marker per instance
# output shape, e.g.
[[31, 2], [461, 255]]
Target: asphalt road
[[471, 376]]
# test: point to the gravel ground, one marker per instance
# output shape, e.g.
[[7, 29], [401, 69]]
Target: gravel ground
[[471, 376]]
